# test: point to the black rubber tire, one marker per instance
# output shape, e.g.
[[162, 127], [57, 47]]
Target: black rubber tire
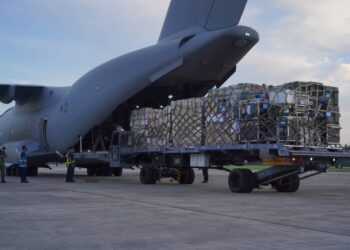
[[192, 176], [339, 165], [241, 181], [107, 171], [9, 171], [187, 176], [289, 184], [35, 171], [149, 175], [13, 171], [16, 171], [32, 171], [90, 171], [118, 172], [99, 171]]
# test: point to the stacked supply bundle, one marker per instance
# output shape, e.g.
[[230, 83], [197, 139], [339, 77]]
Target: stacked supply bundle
[[163, 127], [235, 113], [141, 123], [240, 92], [258, 124], [187, 119], [221, 120], [150, 127], [308, 111], [297, 113]]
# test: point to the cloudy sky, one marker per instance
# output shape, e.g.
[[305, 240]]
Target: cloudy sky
[[55, 42]]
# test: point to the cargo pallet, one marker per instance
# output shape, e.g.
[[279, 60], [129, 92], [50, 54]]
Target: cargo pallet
[[290, 164]]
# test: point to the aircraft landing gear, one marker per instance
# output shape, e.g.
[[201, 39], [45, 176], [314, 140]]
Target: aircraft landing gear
[[12, 171], [118, 172], [32, 171], [90, 171], [104, 171]]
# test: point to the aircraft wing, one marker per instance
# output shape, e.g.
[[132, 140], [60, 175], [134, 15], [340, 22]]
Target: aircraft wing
[[19, 93], [40, 159], [36, 156]]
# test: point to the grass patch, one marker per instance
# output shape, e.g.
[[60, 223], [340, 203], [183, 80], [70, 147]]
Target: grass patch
[[337, 170], [251, 167], [257, 167]]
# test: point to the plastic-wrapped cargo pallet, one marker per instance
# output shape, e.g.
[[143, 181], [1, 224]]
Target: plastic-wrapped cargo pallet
[[309, 111], [187, 120], [244, 109], [150, 127], [222, 125], [240, 92], [297, 113], [258, 124], [141, 122]]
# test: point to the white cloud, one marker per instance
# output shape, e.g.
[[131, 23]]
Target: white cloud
[[342, 74], [58, 41], [303, 40], [321, 23], [300, 40], [251, 13]]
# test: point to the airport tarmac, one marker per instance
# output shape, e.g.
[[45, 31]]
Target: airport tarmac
[[120, 213]]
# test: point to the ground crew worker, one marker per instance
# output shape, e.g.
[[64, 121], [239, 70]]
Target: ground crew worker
[[23, 165], [205, 175], [70, 163], [2, 164]]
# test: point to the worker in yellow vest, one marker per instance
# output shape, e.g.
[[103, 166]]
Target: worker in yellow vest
[[70, 163]]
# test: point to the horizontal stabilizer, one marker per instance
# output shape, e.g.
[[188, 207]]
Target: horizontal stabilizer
[[18, 93], [206, 14]]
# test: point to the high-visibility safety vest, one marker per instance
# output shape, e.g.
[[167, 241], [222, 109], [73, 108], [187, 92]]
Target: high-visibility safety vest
[[23, 160], [22, 163], [70, 160]]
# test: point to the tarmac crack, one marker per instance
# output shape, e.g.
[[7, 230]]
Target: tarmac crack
[[193, 210]]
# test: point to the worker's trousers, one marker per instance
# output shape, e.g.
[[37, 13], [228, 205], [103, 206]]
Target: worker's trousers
[[70, 174], [205, 174], [23, 174], [3, 172]]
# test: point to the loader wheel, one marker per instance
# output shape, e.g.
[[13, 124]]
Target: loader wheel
[[10, 171], [149, 175], [187, 176], [289, 184], [118, 172], [107, 171], [339, 165], [90, 171], [32, 171], [101, 171], [241, 181]]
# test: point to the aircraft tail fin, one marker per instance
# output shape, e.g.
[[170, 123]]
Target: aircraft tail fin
[[207, 14]]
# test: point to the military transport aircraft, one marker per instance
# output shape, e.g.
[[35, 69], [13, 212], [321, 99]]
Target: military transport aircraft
[[199, 47]]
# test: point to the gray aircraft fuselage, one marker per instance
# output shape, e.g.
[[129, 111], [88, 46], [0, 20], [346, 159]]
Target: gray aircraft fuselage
[[53, 120]]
